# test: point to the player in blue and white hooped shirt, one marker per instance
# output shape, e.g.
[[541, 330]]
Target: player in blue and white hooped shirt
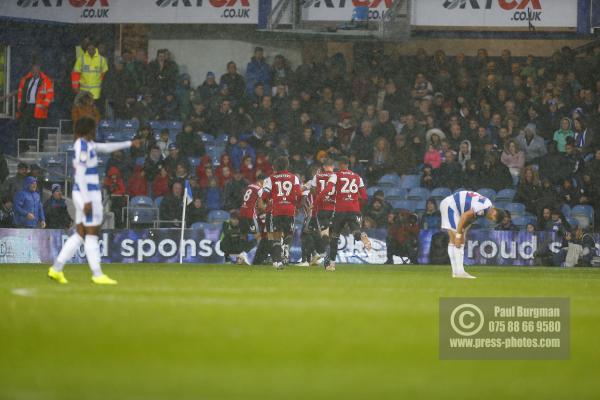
[[87, 198], [459, 211]]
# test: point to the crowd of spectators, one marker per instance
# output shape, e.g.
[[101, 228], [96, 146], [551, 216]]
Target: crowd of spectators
[[483, 121]]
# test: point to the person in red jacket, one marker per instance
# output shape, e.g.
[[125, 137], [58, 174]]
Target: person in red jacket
[[283, 189], [138, 186], [113, 182], [35, 94], [349, 191], [160, 184]]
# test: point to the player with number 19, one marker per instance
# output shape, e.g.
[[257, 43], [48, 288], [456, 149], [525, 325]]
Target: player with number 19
[[283, 189]]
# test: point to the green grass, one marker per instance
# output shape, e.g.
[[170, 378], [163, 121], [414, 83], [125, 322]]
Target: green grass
[[225, 332]]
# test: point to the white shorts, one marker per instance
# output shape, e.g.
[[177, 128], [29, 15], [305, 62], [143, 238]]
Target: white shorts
[[450, 215], [96, 216]]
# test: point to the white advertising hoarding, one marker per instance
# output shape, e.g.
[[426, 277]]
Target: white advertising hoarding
[[341, 10], [134, 11], [506, 14]]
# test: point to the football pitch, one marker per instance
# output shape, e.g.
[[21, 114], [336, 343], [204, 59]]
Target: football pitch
[[230, 332]]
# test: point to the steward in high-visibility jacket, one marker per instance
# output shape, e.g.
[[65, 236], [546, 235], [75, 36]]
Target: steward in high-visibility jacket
[[88, 73], [43, 97]]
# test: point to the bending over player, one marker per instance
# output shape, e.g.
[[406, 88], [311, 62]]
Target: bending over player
[[348, 189], [459, 211], [87, 199], [283, 189]]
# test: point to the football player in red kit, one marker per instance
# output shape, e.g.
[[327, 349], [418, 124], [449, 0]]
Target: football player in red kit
[[349, 191], [248, 222], [283, 188]]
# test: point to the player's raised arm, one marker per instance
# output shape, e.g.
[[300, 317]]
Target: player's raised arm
[[112, 147]]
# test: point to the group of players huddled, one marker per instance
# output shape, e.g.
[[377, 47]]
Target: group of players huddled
[[330, 202]]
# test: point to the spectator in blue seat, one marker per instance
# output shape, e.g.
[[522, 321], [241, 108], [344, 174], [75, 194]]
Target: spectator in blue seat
[[240, 150], [29, 212], [432, 218], [55, 208], [257, 71], [234, 81]]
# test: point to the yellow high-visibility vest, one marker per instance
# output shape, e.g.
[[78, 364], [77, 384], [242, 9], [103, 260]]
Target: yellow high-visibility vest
[[88, 73]]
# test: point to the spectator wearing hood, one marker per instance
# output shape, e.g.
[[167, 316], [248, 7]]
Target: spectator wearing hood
[[183, 94], [113, 182], [257, 71], [189, 142], [464, 153], [532, 144], [55, 208], [13, 184], [123, 164], [565, 131], [209, 88], [29, 212]]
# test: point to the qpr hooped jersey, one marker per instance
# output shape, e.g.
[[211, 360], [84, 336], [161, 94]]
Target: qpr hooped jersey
[[283, 188], [349, 190], [465, 201], [86, 158], [251, 195], [319, 183]]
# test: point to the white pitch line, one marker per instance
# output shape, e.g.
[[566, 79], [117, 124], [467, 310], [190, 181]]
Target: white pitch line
[[24, 292]]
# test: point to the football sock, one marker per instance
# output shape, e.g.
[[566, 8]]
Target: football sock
[[333, 248], [67, 252], [459, 254], [324, 244], [452, 258], [92, 252], [276, 251]]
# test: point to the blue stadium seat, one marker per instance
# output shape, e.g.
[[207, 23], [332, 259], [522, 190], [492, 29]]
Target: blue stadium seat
[[174, 125], [440, 194], [418, 194], [573, 222], [200, 226], [318, 130], [213, 199], [218, 216], [410, 181], [515, 209], [128, 124], [143, 215], [389, 180], [566, 210], [403, 204], [157, 125], [487, 192], [194, 162], [420, 206], [157, 201], [223, 138], [140, 161], [66, 147], [141, 201], [584, 214], [521, 221], [208, 140], [107, 124], [395, 193], [506, 195], [371, 191], [458, 190]]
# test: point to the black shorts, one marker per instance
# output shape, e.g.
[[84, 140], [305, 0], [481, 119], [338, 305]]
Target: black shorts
[[248, 225], [342, 219], [267, 226], [324, 219], [281, 223]]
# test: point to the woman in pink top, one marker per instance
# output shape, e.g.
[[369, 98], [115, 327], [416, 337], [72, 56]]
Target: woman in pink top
[[514, 158]]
